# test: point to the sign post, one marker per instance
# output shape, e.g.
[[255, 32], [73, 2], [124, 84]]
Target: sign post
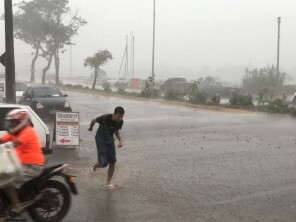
[[67, 129]]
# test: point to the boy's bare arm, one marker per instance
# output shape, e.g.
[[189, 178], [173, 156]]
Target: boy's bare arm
[[91, 125], [117, 134]]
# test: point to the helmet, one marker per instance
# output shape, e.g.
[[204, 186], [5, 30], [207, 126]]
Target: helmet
[[16, 120]]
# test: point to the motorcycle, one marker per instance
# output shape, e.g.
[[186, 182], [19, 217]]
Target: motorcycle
[[45, 198]]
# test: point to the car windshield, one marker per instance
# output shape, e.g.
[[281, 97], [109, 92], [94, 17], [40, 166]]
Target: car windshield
[[20, 86], [47, 92]]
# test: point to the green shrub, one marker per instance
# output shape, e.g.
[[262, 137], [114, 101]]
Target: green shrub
[[107, 87], [216, 99], [172, 94], [149, 92], [121, 90], [241, 100], [277, 106], [78, 86], [197, 97]]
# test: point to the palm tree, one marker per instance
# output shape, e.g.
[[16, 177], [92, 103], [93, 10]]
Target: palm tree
[[96, 61]]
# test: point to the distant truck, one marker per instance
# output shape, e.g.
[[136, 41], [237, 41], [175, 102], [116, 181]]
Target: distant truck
[[136, 83], [179, 84]]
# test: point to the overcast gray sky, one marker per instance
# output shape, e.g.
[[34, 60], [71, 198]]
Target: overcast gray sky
[[193, 37]]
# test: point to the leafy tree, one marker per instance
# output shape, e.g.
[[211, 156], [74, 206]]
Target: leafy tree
[[96, 61], [61, 32], [29, 27], [267, 79], [53, 21]]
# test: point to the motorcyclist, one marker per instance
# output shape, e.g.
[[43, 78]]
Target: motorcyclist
[[28, 149]]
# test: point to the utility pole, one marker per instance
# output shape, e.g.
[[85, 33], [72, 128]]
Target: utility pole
[[124, 54], [9, 48], [133, 55], [126, 62], [278, 45], [132, 61], [153, 75]]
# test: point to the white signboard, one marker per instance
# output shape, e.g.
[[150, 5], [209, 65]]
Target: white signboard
[[67, 128]]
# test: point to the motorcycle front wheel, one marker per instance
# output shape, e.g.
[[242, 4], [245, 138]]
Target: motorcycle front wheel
[[54, 203]]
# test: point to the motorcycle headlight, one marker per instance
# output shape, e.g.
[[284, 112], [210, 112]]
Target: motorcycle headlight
[[39, 106], [67, 105]]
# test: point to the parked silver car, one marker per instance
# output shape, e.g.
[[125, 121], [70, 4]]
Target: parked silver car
[[20, 87]]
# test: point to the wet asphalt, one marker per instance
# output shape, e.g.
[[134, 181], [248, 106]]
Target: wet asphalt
[[184, 164]]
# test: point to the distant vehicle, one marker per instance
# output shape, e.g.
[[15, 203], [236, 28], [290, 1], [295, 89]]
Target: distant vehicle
[[39, 125], [179, 84], [220, 89], [136, 83], [45, 100], [20, 87]]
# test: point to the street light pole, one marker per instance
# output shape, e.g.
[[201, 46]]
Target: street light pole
[[126, 61], [278, 45], [133, 55], [153, 75]]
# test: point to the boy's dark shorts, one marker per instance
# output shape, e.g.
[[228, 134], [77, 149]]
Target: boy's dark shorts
[[106, 153]]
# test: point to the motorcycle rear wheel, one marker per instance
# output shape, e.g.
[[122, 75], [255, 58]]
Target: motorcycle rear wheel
[[54, 203]]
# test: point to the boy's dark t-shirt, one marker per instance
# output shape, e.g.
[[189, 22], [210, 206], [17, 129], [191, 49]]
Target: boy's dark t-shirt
[[107, 128]]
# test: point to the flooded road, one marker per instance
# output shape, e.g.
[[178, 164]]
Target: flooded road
[[185, 164]]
